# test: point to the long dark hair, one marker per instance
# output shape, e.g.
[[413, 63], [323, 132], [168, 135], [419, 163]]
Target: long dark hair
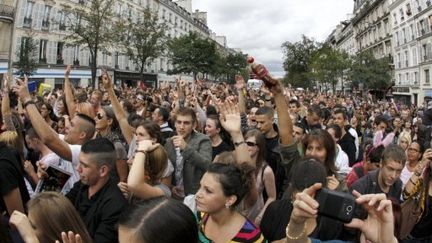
[[160, 220], [261, 143], [326, 140]]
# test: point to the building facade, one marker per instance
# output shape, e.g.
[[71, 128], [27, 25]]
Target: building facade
[[46, 21]]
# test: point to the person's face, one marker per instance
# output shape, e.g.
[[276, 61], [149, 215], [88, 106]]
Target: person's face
[[403, 143], [33, 222], [382, 126], [413, 152], [155, 115], [339, 120], [89, 171], [390, 172], [184, 126], [405, 115], [105, 97], [94, 99], [210, 128], [60, 107], [408, 125], [44, 111], [264, 123], [252, 146], [397, 122], [312, 119], [102, 120], [317, 150], [210, 197], [298, 133], [31, 143], [73, 131], [393, 112], [142, 134], [293, 108]]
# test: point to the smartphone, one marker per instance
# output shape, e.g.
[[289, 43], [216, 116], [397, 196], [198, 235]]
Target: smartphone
[[336, 205]]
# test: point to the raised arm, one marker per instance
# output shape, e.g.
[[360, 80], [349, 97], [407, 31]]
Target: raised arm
[[48, 136], [230, 121], [136, 181], [120, 114], [241, 89], [5, 107], [70, 100], [284, 120]]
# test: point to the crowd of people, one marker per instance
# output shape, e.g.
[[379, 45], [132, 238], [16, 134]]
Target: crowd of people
[[210, 162]]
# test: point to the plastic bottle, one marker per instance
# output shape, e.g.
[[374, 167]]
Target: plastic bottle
[[260, 71]]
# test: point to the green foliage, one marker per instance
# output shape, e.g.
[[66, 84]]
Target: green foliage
[[232, 64], [372, 72], [193, 54], [27, 62], [143, 38], [297, 62], [92, 27], [329, 65]]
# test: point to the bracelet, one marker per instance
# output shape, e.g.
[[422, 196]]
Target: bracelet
[[295, 237], [30, 102]]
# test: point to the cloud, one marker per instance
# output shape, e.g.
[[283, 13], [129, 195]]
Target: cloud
[[259, 28]]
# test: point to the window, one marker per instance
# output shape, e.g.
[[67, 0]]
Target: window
[[406, 59], [43, 44], [62, 20], [395, 18], [46, 17], [401, 14], [407, 78], [28, 15], [400, 78], [408, 9], [414, 52], [60, 46], [427, 77], [415, 77]]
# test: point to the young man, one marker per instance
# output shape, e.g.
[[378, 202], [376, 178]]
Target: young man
[[387, 178], [78, 131], [347, 141], [96, 197], [161, 116], [190, 152], [264, 117], [312, 119]]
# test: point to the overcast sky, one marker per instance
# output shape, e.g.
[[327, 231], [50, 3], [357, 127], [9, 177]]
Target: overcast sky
[[260, 27]]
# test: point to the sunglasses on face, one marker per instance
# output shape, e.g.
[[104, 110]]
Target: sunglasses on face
[[251, 144], [99, 116]]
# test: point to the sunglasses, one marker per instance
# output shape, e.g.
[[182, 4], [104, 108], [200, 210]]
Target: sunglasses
[[251, 144], [99, 116]]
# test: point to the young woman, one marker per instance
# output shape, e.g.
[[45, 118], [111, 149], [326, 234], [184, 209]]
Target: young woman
[[404, 140], [149, 164], [264, 176], [414, 156], [49, 214], [214, 130]]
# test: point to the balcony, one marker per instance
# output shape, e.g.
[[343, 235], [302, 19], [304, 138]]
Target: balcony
[[7, 13]]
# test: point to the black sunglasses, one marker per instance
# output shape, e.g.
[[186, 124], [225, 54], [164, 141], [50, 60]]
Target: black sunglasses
[[251, 144], [99, 116]]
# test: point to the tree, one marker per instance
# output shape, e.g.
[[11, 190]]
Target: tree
[[329, 65], [372, 72], [27, 62], [193, 54], [234, 63], [92, 27], [144, 38], [297, 60]]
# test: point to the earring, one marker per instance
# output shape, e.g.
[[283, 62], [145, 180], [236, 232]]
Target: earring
[[227, 205]]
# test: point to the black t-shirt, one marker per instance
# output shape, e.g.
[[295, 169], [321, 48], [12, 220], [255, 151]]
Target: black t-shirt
[[222, 147], [11, 176]]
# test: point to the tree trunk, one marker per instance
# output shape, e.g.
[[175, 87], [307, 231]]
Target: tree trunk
[[93, 67]]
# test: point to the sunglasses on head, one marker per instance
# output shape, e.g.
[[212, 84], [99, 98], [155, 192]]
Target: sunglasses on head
[[251, 144]]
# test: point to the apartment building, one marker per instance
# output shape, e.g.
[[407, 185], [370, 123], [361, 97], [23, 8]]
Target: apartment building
[[46, 21]]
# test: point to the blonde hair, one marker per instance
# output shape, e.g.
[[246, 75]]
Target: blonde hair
[[12, 140], [404, 136], [86, 109], [53, 214]]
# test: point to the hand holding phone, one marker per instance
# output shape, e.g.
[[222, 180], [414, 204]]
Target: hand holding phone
[[335, 205]]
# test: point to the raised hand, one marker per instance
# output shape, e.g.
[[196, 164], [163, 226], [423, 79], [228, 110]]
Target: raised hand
[[147, 145], [230, 117], [240, 82], [70, 237], [106, 80], [22, 223], [21, 89], [305, 206], [68, 71]]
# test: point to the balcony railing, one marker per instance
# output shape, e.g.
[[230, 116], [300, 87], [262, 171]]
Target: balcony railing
[[7, 13]]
